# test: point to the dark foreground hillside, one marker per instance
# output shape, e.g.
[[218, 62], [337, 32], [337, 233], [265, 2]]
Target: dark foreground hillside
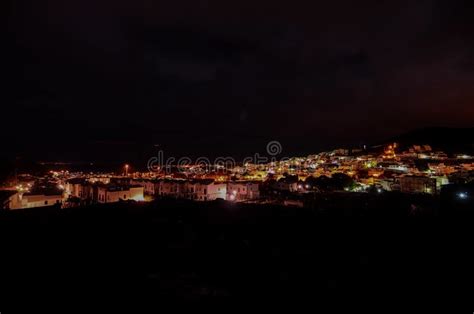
[[179, 251]]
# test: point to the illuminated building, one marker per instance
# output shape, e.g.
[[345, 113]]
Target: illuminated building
[[389, 152], [242, 191], [208, 190], [172, 188], [418, 184], [77, 187], [112, 194], [147, 184], [39, 200]]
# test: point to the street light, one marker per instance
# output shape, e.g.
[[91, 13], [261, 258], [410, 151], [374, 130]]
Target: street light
[[462, 195], [126, 170]]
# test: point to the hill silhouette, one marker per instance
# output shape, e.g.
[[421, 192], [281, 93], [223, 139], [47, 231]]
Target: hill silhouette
[[450, 140]]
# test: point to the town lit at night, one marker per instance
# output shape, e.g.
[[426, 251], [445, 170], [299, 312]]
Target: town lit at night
[[260, 151]]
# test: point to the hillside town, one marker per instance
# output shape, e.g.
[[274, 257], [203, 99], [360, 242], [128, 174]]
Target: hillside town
[[417, 169]]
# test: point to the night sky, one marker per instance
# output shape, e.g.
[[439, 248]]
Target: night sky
[[91, 80]]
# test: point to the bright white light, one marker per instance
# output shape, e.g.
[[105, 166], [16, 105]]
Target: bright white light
[[462, 195], [379, 190], [138, 198], [307, 186]]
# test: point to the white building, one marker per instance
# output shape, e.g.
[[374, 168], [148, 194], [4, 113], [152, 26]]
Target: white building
[[242, 191], [39, 200], [169, 188], [147, 184], [199, 190], [112, 194], [73, 187], [80, 189], [208, 190]]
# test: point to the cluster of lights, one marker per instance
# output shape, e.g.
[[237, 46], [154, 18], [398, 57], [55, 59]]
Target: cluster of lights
[[280, 168], [19, 187]]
